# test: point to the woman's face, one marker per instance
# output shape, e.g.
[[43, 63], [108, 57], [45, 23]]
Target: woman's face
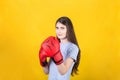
[[61, 31]]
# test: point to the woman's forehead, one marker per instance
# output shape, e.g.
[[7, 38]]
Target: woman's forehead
[[60, 25]]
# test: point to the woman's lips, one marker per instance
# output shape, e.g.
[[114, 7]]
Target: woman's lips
[[59, 35]]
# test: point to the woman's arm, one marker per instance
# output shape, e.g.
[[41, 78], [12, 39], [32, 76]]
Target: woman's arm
[[64, 67], [46, 69]]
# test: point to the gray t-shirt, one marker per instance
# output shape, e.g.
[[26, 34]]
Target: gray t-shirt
[[68, 50]]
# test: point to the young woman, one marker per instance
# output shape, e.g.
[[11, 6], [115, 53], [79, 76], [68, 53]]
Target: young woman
[[67, 55]]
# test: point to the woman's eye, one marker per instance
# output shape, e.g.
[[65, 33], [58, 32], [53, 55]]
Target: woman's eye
[[56, 27], [62, 28]]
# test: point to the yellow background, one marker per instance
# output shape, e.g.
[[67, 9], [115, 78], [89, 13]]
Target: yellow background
[[24, 24]]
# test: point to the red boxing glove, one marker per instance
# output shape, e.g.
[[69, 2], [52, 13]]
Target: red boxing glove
[[52, 47], [43, 57]]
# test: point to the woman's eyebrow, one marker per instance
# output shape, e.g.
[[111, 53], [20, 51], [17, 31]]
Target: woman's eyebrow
[[59, 27]]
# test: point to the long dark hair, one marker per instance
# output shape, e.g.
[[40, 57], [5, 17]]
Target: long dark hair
[[72, 38]]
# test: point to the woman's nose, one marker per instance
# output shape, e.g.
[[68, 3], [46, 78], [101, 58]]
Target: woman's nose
[[59, 31]]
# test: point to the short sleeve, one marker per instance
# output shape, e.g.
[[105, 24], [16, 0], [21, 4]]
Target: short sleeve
[[72, 52]]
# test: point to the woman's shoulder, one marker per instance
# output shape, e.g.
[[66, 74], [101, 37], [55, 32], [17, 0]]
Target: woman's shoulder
[[72, 51], [72, 46], [69, 46]]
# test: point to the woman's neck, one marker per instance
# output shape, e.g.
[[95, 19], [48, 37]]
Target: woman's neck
[[64, 40]]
